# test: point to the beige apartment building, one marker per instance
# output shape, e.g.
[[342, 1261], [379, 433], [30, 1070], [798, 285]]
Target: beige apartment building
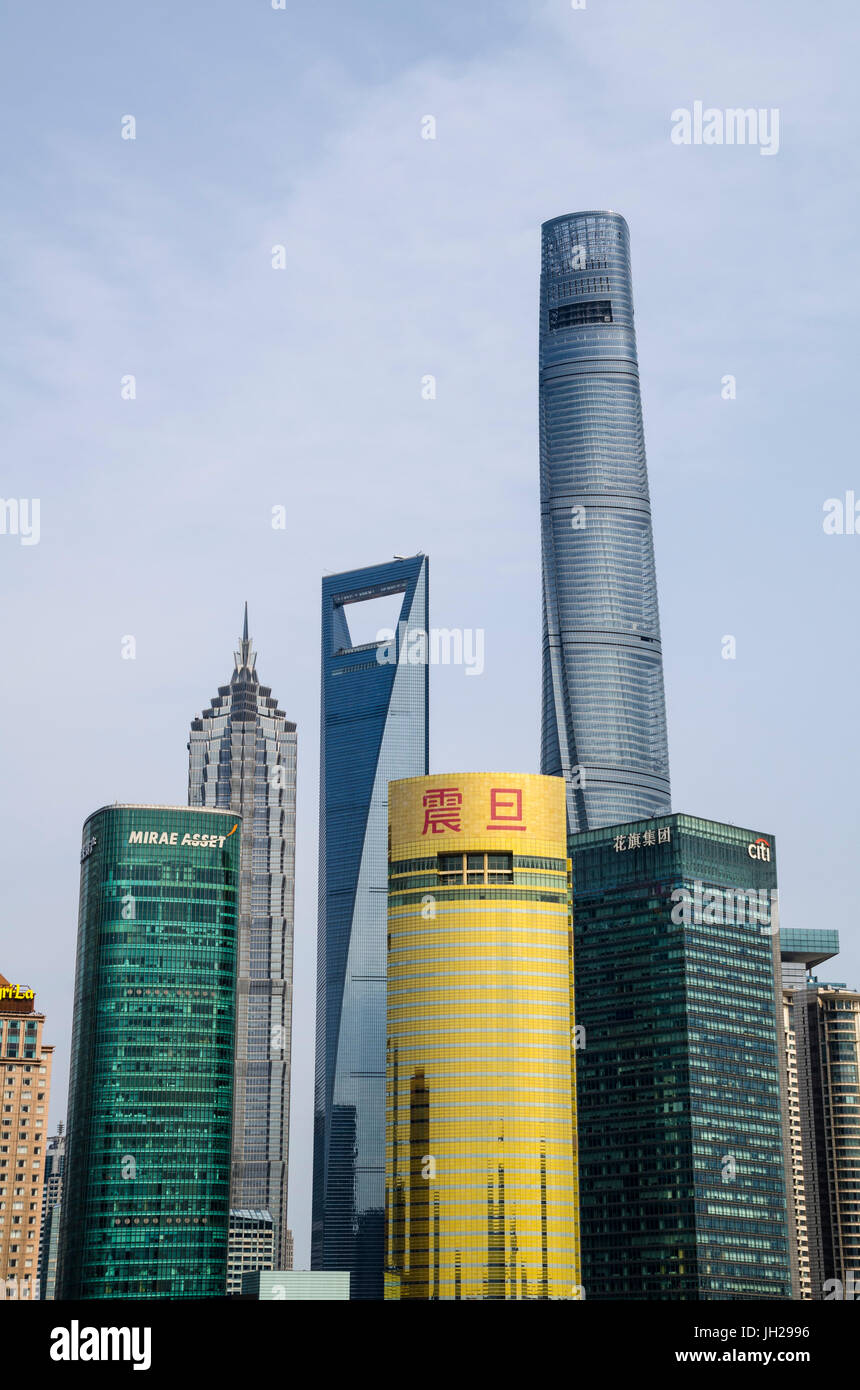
[[25, 1088], [797, 1195]]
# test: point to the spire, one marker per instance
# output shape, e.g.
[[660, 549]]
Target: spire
[[244, 658]]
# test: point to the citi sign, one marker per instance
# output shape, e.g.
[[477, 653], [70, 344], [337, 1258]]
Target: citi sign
[[759, 849]]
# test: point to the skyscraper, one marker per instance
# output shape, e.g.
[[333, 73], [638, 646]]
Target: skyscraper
[[682, 1117], [481, 1181], [251, 1247], [825, 1021], [146, 1195], [373, 730], [801, 949], [243, 758], [795, 1166], [52, 1195], [604, 717], [25, 1083]]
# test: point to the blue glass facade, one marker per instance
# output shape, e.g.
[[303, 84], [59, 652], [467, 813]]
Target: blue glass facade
[[373, 730], [682, 1116], [604, 717]]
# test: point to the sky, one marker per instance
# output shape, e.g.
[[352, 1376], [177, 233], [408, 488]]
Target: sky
[[292, 378]]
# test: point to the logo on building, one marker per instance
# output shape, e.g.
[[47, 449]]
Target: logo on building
[[506, 809], [759, 849], [88, 848], [443, 810], [15, 992], [643, 839], [164, 837]]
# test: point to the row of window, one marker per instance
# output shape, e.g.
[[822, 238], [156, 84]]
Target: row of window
[[519, 861]]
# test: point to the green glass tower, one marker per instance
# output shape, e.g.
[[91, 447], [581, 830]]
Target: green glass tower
[[145, 1210], [682, 1116]]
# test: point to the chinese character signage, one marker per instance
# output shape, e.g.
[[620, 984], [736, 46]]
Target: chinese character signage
[[643, 839], [436, 814], [442, 810], [506, 809]]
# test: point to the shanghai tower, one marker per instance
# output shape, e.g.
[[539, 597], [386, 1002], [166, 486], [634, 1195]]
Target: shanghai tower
[[604, 714], [243, 758]]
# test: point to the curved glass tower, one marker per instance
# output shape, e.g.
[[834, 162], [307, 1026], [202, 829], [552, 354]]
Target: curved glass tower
[[147, 1185], [481, 1173], [604, 716], [373, 730]]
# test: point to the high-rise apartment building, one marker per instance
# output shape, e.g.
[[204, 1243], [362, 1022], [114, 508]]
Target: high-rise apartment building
[[682, 1115], [25, 1088], [147, 1186], [49, 1252], [801, 950], [825, 1021], [251, 1247], [481, 1180], [52, 1193], [604, 717], [243, 759], [795, 1167], [373, 730]]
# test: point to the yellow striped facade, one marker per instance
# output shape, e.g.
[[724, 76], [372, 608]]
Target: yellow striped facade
[[480, 1160]]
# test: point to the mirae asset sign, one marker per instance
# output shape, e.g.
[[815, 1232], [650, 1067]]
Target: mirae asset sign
[[164, 837]]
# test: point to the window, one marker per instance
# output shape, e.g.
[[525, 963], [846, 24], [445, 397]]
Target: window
[[499, 868], [475, 868], [451, 868], [587, 311]]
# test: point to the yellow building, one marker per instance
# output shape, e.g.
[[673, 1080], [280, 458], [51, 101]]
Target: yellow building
[[25, 1074], [480, 1161]]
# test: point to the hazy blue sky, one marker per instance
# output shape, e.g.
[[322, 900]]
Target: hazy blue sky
[[302, 387]]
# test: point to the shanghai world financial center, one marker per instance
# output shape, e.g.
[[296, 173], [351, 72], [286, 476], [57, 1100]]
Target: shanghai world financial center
[[373, 731]]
